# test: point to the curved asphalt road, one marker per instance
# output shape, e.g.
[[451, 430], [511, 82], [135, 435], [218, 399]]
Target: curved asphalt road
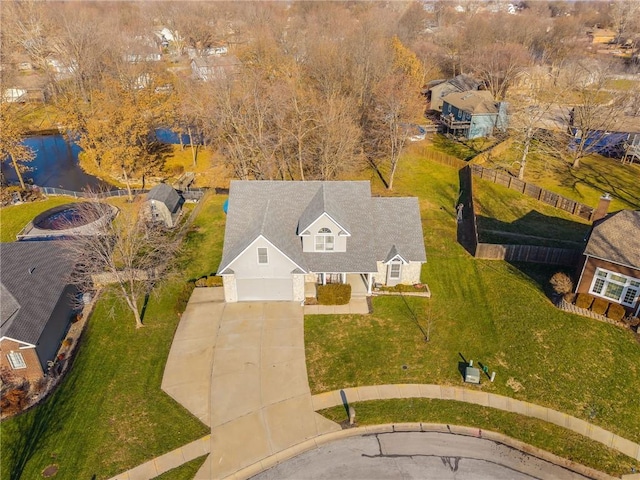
[[416, 455]]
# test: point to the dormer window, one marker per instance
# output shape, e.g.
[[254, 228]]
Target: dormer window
[[325, 240]]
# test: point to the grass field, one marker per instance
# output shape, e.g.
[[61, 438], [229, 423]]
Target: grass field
[[586, 184], [492, 312], [535, 432], [14, 218], [499, 209], [184, 472], [109, 413]]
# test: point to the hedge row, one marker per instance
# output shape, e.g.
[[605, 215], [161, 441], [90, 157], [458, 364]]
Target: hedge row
[[334, 294], [614, 311]]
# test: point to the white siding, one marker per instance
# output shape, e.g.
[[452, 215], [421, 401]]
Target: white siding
[[308, 242]]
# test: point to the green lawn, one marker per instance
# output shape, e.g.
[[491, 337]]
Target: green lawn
[[463, 151], [586, 184], [14, 218], [500, 209], [535, 432], [491, 312], [184, 472], [109, 413]]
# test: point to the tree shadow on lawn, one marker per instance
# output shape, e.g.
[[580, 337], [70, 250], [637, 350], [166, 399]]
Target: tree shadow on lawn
[[542, 273], [33, 428], [590, 177]]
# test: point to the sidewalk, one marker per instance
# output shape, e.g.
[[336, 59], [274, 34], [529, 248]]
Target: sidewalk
[[384, 392]]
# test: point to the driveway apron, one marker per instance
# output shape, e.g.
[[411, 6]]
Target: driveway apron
[[260, 398]]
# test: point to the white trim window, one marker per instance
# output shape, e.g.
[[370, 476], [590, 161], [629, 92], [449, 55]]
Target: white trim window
[[263, 256], [325, 240], [16, 360], [395, 269], [616, 287]]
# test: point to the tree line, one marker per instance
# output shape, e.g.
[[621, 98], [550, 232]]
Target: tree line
[[319, 89]]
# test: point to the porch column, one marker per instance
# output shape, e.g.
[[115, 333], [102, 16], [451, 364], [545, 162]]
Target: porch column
[[343, 277], [369, 280], [324, 278]]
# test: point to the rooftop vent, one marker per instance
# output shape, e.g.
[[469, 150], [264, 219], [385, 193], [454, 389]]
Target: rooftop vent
[[31, 270]]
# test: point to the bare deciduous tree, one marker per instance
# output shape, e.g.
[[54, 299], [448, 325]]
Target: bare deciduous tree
[[128, 252]]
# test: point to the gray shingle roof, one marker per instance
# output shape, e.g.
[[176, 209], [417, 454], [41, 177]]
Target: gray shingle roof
[[166, 194], [38, 292], [616, 238], [278, 209]]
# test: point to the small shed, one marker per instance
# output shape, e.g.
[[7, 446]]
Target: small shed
[[163, 204]]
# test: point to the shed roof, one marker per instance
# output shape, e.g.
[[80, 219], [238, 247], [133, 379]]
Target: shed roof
[[475, 102], [616, 238], [34, 276], [166, 194]]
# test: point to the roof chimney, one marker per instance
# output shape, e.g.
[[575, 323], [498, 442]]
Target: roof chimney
[[602, 208]]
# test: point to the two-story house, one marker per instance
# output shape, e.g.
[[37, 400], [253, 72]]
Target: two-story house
[[282, 234], [473, 114]]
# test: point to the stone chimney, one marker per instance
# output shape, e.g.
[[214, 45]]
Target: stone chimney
[[602, 208]]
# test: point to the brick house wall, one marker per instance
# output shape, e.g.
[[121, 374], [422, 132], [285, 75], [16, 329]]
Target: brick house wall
[[589, 267], [33, 371]]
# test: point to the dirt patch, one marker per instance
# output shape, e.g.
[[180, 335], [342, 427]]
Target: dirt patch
[[50, 471], [514, 385]]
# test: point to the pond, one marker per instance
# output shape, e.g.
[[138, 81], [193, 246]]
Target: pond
[[56, 163]]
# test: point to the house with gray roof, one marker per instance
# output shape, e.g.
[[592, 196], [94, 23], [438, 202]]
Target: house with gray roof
[[473, 114], [163, 204], [438, 89], [281, 235], [611, 264], [36, 304]]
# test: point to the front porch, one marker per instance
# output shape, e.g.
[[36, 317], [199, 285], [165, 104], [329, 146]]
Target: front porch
[[361, 284]]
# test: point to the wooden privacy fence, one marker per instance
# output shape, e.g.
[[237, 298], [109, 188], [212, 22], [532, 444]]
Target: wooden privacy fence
[[550, 198], [527, 253], [443, 158], [509, 253]]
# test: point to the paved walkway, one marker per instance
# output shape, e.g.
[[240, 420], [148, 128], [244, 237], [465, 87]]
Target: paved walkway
[[187, 373], [381, 392], [241, 369], [357, 305], [260, 398]]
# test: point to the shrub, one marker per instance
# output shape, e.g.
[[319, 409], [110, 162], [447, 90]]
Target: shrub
[[214, 281], [201, 282], [584, 300], [634, 321], [334, 294], [561, 283], [616, 312], [599, 306]]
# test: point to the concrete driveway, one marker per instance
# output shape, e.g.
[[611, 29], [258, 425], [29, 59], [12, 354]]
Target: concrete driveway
[[260, 397], [241, 369]]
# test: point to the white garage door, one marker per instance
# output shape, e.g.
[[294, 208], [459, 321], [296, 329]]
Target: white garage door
[[256, 289]]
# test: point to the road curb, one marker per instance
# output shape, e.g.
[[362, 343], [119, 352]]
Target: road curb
[[312, 443]]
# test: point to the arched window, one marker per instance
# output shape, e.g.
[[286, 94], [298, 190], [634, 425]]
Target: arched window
[[324, 240]]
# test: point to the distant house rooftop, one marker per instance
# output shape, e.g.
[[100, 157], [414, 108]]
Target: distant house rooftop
[[476, 102]]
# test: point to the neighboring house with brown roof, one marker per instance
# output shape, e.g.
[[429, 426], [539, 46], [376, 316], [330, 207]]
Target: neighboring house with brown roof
[[284, 236], [438, 89], [473, 114], [36, 305], [611, 267]]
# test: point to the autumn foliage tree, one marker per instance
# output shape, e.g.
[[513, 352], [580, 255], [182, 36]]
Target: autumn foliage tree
[[11, 141]]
